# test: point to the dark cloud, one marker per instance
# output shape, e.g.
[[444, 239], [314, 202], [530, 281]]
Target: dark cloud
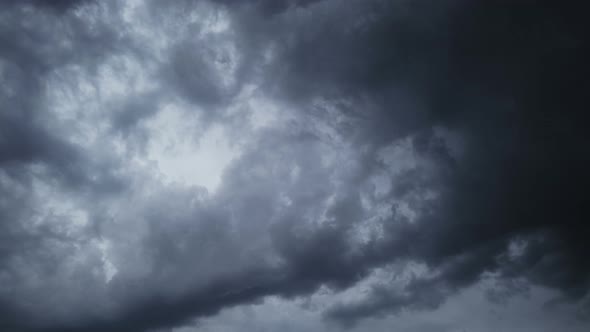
[[56, 5], [485, 100], [504, 77], [268, 7]]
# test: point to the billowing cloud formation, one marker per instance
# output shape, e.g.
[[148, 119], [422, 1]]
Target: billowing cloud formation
[[163, 162]]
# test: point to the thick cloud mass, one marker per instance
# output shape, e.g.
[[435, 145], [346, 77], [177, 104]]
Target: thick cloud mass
[[164, 163]]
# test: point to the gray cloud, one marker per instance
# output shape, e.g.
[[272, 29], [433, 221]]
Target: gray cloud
[[448, 135]]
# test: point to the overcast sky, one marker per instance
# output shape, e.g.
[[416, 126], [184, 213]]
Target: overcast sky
[[294, 165]]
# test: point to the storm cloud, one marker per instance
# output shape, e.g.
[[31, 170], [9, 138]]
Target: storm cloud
[[323, 165]]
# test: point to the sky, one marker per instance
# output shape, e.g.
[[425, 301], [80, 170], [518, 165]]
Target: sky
[[294, 165]]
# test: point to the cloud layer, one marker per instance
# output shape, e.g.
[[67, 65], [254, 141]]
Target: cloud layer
[[162, 163]]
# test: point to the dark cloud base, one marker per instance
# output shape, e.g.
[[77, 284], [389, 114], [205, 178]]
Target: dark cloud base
[[508, 79]]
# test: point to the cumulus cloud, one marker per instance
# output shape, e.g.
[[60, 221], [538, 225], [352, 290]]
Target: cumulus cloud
[[162, 164]]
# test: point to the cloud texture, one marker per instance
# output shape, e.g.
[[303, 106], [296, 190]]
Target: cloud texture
[[164, 162]]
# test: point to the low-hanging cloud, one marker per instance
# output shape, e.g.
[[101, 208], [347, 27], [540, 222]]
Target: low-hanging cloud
[[358, 136]]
